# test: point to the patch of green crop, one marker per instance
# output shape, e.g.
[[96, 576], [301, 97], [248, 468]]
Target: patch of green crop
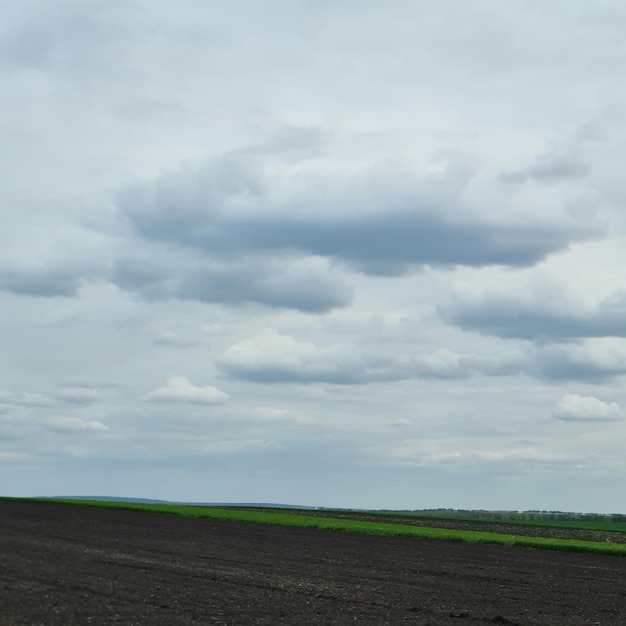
[[571, 524], [372, 528]]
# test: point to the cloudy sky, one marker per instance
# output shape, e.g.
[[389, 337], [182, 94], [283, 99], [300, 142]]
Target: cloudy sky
[[365, 253]]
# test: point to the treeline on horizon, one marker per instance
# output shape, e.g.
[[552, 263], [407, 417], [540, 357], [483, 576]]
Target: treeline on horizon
[[521, 516]]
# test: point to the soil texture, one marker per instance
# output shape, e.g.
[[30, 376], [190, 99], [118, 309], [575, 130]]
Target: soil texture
[[64, 564]]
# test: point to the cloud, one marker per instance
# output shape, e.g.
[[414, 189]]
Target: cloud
[[78, 395], [12, 457], [173, 340], [51, 259], [273, 357], [575, 408], [271, 225], [543, 317], [71, 425], [551, 168], [40, 281], [179, 389], [453, 453], [26, 399], [306, 284], [513, 455], [446, 364], [592, 361], [386, 221], [211, 447], [68, 39]]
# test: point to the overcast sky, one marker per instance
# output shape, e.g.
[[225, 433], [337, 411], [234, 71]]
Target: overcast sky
[[365, 253]]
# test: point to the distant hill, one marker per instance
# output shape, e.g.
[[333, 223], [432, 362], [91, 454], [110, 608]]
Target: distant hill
[[112, 499], [268, 505]]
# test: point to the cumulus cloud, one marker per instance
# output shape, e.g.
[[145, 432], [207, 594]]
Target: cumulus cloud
[[543, 317], [71, 425], [446, 364], [179, 389], [308, 284], [273, 357], [258, 226], [575, 408], [384, 222], [592, 360]]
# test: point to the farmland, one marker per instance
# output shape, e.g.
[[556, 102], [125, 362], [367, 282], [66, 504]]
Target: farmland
[[580, 539], [66, 564]]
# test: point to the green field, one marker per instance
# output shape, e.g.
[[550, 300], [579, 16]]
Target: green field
[[369, 527], [602, 523]]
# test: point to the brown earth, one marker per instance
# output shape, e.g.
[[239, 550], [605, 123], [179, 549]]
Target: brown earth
[[63, 565]]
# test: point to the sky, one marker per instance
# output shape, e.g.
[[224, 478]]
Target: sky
[[362, 253]]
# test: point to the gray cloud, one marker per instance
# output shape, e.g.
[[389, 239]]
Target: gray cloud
[[305, 284], [592, 361], [23, 398], [40, 281], [76, 42], [78, 394], [552, 168], [173, 340], [513, 317], [271, 357], [385, 222]]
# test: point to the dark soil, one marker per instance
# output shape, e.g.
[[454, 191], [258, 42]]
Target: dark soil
[[63, 564]]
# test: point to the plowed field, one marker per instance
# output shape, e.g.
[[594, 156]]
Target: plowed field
[[62, 565]]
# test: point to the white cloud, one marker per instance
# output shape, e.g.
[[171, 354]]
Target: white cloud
[[71, 425], [513, 455], [273, 357], [476, 452], [24, 398], [575, 408], [179, 389]]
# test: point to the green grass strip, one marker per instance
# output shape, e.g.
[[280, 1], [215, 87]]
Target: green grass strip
[[372, 528], [600, 526]]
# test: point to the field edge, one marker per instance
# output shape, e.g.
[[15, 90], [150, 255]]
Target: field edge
[[354, 526]]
